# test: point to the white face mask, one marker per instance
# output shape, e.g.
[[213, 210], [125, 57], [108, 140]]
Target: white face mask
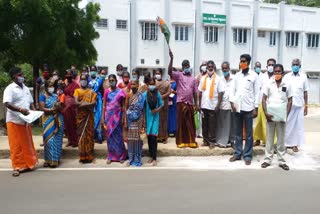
[[51, 90], [158, 76], [84, 83], [204, 69], [270, 69]]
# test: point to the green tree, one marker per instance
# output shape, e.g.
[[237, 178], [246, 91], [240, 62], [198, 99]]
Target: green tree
[[55, 32], [308, 3]]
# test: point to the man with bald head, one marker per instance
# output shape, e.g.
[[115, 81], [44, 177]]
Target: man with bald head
[[186, 99]]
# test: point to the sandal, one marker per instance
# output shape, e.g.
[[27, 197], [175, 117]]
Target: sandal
[[109, 162], [150, 160], [284, 166], [15, 173], [122, 161], [295, 149], [265, 165], [154, 163]]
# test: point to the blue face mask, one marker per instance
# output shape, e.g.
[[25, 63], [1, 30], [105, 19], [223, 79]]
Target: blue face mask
[[226, 73], [152, 87], [134, 77], [187, 70], [295, 69], [258, 70]]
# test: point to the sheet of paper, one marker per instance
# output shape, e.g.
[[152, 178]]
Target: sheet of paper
[[32, 116], [278, 111]]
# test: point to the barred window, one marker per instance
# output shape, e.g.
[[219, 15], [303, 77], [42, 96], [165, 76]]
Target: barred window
[[121, 24], [211, 34], [181, 33], [313, 40], [102, 23], [292, 39], [273, 38], [149, 31], [240, 35]]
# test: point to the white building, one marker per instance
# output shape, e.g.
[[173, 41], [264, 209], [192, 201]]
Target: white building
[[209, 29]]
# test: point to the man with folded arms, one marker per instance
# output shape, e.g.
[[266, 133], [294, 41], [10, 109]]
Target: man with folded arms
[[276, 103]]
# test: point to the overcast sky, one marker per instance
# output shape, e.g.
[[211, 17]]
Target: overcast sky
[[83, 3]]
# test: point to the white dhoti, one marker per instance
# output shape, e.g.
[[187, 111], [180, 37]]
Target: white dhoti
[[295, 127]]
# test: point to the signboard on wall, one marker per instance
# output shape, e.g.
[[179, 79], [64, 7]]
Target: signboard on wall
[[208, 18]]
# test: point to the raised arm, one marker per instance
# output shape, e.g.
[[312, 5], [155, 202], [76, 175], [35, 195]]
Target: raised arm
[[170, 63]]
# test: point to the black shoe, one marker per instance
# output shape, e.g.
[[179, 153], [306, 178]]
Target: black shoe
[[247, 162], [265, 165], [234, 158], [284, 166]]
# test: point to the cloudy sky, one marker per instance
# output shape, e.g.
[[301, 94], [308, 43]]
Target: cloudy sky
[[83, 3]]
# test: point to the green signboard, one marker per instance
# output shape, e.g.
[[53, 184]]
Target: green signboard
[[208, 18]]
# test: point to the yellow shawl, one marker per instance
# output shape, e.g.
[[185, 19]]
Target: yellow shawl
[[204, 86]]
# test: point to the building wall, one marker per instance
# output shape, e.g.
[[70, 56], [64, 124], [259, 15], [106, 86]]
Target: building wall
[[127, 47]]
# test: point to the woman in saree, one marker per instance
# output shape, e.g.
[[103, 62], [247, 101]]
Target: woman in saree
[[70, 110], [164, 88], [53, 125], [172, 119], [134, 122], [85, 99], [112, 118], [96, 83]]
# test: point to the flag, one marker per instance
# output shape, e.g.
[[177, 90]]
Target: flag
[[164, 29]]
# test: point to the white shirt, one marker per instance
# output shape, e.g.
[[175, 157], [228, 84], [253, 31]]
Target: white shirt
[[299, 84], [17, 96], [206, 102], [277, 95], [225, 104], [264, 80], [246, 89]]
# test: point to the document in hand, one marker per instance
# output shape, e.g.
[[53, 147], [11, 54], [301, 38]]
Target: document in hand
[[32, 116], [278, 111]]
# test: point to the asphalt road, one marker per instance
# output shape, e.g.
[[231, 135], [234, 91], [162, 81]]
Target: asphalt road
[[161, 191]]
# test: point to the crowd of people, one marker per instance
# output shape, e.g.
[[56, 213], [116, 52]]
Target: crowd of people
[[124, 109]]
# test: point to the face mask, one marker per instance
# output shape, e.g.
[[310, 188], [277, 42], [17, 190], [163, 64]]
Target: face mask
[[295, 69], [126, 79], [258, 70], [226, 73], [45, 75], [84, 83], [119, 73], [158, 76], [152, 87], [270, 69], [69, 78], [210, 73], [103, 76], [20, 80], [277, 77], [112, 84], [51, 90], [55, 77], [204, 69], [93, 73], [243, 65], [59, 91], [134, 77], [134, 90], [187, 70]]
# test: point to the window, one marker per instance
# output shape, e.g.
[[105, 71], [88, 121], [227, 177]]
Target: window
[[313, 40], [211, 34], [240, 35], [292, 39], [261, 34], [102, 23], [122, 24], [273, 38], [149, 31], [181, 33]]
